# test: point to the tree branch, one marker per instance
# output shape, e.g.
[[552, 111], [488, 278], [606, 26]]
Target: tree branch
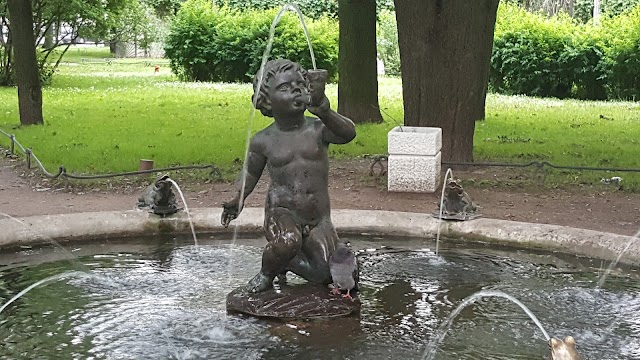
[[43, 34], [55, 67], [76, 34]]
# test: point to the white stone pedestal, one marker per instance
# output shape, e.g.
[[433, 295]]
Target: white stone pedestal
[[414, 159]]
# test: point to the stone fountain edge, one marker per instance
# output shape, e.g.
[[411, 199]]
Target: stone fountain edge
[[99, 225]]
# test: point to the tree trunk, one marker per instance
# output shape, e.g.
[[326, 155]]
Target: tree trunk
[[25, 63], [596, 12], [48, 38], [445, 56], [358, 81]]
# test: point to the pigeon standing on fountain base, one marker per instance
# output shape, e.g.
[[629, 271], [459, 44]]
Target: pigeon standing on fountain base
[[343, 266]]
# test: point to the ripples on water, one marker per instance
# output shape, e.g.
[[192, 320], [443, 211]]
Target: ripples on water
[[164, 300]]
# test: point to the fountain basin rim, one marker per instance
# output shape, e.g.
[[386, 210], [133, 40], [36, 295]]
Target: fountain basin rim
[[36, 230]]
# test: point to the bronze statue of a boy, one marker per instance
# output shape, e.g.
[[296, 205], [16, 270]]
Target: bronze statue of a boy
[[297, 224]]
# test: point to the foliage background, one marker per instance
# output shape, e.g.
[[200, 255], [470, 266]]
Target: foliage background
[[315, 9], [534, 54], [223, 44]]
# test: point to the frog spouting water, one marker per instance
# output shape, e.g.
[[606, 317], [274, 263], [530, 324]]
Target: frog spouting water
[[563, 349], [159, 197], [456, 200]]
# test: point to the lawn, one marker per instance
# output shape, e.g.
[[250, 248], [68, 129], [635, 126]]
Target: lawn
[[105, 116]]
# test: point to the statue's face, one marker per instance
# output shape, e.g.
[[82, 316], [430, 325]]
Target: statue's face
[[288, 93]]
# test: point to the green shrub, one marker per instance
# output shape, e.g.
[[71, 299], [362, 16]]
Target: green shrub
[[208, 43], [7, 76], [314, 9], [588, 67], [526, 54], [541, 56], [46, 69], [584, 8], [621, 36]]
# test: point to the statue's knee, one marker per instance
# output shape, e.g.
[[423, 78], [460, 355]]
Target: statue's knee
[[284, 247], [290, 238]]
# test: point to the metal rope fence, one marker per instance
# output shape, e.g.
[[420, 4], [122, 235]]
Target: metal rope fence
[[62, 172], [215, 171], [539, 165]]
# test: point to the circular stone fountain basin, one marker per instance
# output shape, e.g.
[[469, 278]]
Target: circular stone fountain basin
[[163, 298]]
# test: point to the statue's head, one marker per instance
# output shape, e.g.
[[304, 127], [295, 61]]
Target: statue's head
[[271, 69]]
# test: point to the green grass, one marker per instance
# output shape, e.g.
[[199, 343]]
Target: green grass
[[78, 54], [564, 132], [103, 118]]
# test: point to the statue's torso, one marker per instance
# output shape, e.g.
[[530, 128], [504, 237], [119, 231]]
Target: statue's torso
[[298, 165]]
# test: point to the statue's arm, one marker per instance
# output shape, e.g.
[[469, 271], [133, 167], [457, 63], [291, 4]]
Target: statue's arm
[[337, 129], [256, 162]]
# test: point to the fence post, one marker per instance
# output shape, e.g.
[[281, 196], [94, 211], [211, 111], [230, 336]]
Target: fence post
[[28, 152], [13, 143]]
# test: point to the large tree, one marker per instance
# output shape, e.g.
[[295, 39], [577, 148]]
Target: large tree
[[70, 19], [358, 81], [25, 63], [445, 54]]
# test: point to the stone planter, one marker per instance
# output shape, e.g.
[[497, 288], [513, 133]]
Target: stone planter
[[414, 159]]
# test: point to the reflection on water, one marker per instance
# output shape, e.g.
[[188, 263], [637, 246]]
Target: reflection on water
[[166, 300]]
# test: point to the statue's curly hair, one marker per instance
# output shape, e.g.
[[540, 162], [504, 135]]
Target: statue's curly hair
[[272, 67]]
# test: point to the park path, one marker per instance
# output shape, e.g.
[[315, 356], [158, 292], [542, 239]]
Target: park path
[[23, 193]]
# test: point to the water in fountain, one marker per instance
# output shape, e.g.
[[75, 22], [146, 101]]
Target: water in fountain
[[447, 175], [615, 262], [43, 282], [606, 273], [186, 209], [169, 302], [85, 272], [51, 241], [430, 352]]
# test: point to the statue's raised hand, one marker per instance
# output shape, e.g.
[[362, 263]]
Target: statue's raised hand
[[230, 211], [320, 109]]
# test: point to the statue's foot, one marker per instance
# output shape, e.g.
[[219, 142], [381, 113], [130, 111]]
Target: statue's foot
[[282, 279], [260, 283]]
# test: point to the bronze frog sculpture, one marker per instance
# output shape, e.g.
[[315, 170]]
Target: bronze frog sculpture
[[159, 197], [563, 349], [456, 200]]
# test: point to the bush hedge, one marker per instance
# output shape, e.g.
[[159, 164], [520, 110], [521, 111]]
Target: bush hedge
[[584, 8], [621, 39], [561, 57], [532, 53], [208, 43], [314, 9]]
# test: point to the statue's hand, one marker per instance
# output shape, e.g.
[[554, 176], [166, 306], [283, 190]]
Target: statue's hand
[[230, 212], [321, 109]]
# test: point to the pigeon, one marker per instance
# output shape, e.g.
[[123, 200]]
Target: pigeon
[[343, 266]]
